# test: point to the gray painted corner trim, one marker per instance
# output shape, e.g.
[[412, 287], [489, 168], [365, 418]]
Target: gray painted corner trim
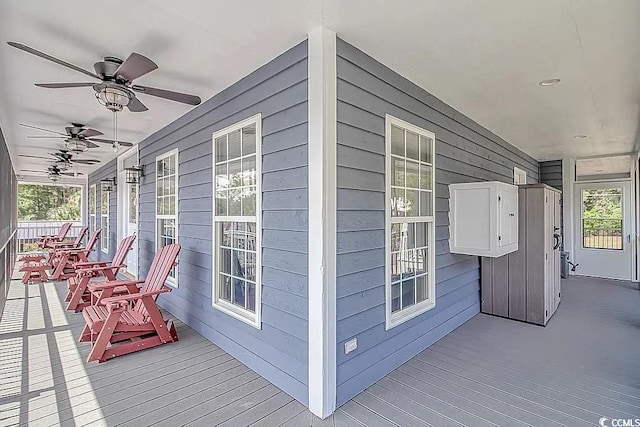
[[322, 230]]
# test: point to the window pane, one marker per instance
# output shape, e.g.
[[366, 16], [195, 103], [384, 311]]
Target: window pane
[[235, 173], [170, 205], [421, 234], [221, 149], [160, 206], [408, 292], [396, 266], [412, 203], [422, 291], [248, 140], [425, 177], [224, 228], [160, 168], [397, 140], [221, 202], [249, 171], [602, 219], [420, 261], [395, 297], [425, 149], [412, 145], [251, 297], [249, 201], [251, 236], [239, 235], [396, 237], [170, 165], [409, 235], [425, 204], [225, 260], [222, 179], [250, 267], [412, 176], [133, 203], [398, 205], [237, 263], [235, 202], [224, 284], [397, 172], [234, 144], [406, 264], [238, 292]]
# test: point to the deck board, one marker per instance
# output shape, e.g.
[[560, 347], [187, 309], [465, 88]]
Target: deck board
[[490, 371]]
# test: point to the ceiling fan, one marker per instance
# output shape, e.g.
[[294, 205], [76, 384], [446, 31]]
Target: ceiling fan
[[115, 89], [63, 160], [53, 172], [77, 138]]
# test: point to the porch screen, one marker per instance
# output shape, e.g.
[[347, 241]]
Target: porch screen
[[167, 204], [410, 221], [236, 222]]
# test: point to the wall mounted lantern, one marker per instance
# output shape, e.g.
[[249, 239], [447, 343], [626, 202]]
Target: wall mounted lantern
[[108, 184], [134, 174]]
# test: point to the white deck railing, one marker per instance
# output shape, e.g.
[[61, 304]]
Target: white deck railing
[[29, 232]]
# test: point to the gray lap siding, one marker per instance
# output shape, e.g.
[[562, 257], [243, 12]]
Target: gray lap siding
[[367, 91], [278, 91]]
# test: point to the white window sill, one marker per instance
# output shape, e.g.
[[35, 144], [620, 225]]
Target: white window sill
[[407, 314], [238, 313]]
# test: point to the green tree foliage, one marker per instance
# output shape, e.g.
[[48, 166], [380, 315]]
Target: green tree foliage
[[48, 203], [602, 211]]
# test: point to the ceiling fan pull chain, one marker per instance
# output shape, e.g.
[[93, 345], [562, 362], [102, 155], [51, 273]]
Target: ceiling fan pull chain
[[115, 145]]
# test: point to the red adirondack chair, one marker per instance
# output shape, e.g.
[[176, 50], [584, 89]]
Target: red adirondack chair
[[63, 260], [118, 328], [78, 297], [56, 247], [45, 241]]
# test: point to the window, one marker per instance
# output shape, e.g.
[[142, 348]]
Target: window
[[519, 176], [92, 208], [410, 237], [602, 218], [167, 204], [104, 221], [236, 231]]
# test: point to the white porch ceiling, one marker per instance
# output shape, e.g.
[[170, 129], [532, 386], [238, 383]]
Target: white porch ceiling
[[483, 58]]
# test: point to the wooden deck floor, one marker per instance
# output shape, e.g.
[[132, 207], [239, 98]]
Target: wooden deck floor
[[584, 365]]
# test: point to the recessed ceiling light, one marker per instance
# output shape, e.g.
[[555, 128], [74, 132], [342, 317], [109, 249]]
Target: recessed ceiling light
[[579, 136], [549, 82]]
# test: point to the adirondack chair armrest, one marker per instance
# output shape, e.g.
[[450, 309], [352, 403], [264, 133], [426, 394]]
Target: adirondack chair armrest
[[112, 284], [74, 250], [62, 244], [120, 300], [89, 264], [89, 270]]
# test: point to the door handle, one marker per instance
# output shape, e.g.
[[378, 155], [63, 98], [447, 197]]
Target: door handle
[[557, 239]]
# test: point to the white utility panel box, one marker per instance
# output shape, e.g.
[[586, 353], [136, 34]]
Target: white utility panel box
[[483, 218]]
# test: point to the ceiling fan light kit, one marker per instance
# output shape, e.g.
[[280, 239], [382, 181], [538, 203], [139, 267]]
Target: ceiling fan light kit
[[114, 98], [76, 145]]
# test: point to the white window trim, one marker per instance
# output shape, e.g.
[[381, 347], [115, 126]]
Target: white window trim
[[253, 319], [170, 280], [519, 176], [92, 216], [104, 240], [394, 319]]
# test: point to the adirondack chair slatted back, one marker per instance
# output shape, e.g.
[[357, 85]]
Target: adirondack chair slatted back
[[93, 238], [158, 272], [80, 236], [123, 250], [64, 230]]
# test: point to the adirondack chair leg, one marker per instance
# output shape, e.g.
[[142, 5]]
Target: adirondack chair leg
[[172, 330], [62, 261], [86, 335], [77, 296], [156, 319], [104, 336]]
